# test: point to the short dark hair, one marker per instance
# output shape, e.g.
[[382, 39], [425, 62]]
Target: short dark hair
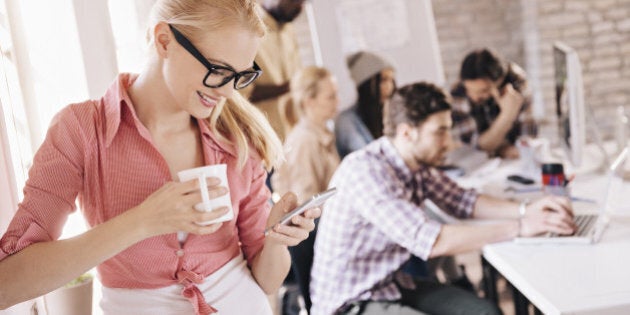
[[482, 64], [413, 104]]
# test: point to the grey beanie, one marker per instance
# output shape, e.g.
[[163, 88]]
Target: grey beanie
[[364, 65]]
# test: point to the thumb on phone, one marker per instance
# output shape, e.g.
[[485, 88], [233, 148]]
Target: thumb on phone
[[287, 203]]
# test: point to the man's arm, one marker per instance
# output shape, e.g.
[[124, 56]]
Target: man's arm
[[488, 207], [549, 214], [457, 239]]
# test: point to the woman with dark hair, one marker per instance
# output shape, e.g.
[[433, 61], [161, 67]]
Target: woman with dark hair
[[360, 124], [491, 104]]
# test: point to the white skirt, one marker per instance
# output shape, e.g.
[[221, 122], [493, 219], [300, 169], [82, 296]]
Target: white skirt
[[231, 290]]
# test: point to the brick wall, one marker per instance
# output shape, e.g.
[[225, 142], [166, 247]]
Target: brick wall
[[464, 25], [599, 30]]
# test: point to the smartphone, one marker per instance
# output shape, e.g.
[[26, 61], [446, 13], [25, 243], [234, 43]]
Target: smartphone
[[520, 179], [314, 202]]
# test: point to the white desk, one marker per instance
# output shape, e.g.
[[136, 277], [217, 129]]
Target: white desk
[[566, 279], [570, 279]]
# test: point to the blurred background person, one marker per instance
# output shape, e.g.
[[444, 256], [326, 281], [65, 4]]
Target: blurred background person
[[311, 156], [311, 160], [491, 104], [358, 125], [279, 56]]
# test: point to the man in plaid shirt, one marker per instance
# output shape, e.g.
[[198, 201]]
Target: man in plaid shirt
[[374, 223]]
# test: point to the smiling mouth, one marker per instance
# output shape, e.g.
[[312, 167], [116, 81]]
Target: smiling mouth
[[206, 100]]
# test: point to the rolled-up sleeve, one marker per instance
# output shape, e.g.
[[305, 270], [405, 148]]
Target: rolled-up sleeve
[[385, 204], [55, 179], [253, 213]]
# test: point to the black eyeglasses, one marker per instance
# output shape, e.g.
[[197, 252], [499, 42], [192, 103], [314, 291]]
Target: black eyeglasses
[[218, 76]]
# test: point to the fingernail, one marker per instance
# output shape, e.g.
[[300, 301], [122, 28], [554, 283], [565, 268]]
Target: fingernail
[[213, 181]]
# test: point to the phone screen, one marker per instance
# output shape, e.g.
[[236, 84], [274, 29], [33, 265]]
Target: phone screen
[[314, 202]]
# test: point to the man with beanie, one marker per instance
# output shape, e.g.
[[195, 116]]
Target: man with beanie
[[358, 125]]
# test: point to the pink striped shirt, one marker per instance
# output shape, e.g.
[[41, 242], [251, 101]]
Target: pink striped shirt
[[101, 153]]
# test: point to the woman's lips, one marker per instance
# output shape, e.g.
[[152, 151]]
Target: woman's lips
[[206, 100]]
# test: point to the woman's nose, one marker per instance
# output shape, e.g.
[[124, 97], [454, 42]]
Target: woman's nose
[[226, 90]]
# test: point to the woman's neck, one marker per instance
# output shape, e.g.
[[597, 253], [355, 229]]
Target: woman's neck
[[319, 121], [155, 106]]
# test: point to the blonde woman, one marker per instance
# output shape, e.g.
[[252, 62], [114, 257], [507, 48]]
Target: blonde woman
[[311, 156], [120, 155]]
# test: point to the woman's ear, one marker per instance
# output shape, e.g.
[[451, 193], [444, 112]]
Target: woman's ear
[[162, 37]]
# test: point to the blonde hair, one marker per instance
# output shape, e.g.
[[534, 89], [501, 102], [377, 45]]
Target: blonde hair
[[305, 84], [235, 121]]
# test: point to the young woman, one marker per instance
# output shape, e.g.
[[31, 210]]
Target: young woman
[[358, 125], [120, 156], [311, 156]]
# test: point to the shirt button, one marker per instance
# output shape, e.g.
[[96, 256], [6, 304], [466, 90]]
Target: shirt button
[[180, 253]]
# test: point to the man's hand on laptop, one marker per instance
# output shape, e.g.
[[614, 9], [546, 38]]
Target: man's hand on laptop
[[548, 214]]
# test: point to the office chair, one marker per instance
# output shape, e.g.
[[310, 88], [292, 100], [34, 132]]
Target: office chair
[[302, 261]]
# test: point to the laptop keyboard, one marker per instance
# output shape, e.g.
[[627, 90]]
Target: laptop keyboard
[[584, 225]]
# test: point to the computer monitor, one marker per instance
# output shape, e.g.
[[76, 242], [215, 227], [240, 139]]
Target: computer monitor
[[569, 102]]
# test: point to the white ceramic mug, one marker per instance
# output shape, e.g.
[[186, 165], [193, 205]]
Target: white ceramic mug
[[202, 173]]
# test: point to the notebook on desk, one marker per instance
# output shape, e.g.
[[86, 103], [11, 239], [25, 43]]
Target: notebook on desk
[[590, 226]]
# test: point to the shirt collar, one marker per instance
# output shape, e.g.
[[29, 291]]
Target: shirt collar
[[212, 140], [117, 97], [392, 155]]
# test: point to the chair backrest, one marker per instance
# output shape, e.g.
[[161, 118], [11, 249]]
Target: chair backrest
[[302, 261]]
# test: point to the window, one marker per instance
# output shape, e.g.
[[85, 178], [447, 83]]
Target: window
[[52, 65], [15, 153]]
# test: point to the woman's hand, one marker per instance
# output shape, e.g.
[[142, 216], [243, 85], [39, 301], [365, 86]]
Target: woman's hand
[[549, 214], [170, 209], [299, 227]]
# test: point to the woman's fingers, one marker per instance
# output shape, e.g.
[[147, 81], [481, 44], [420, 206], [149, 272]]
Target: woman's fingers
[[202, 216], [192, 185], [313, 213], [287, 235], [303, 222], [204, 229]]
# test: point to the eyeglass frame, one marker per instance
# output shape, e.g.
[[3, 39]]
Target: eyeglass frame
[[188, 45]]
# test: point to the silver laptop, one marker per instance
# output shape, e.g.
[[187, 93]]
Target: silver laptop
[[590, 226]]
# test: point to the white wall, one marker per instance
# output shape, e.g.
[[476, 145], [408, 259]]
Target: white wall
[[8, 193], [413, 49]]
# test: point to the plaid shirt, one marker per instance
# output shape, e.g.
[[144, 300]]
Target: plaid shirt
[[470, 120], [373, 224]]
